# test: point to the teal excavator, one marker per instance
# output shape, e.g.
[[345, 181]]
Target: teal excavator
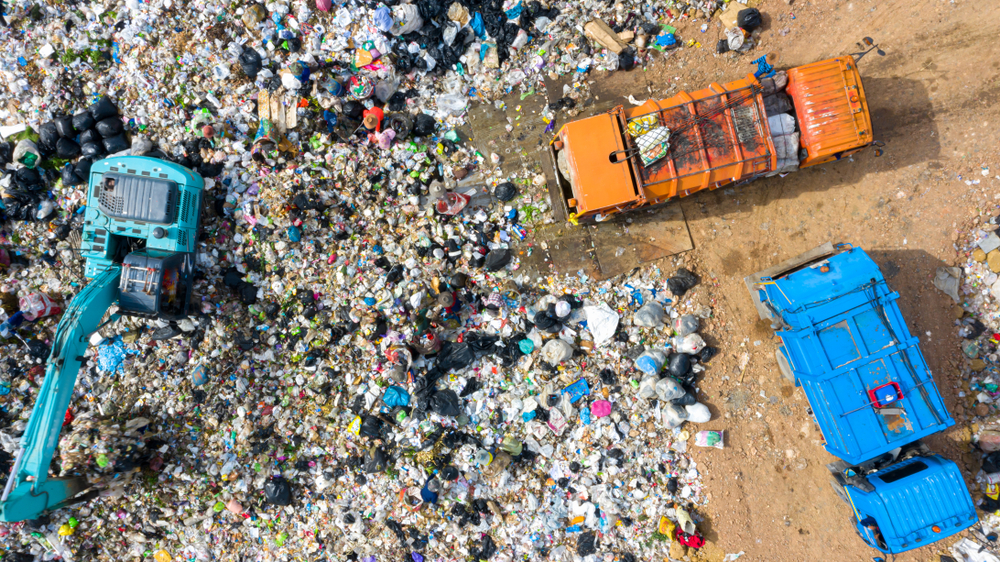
[[140, 236]]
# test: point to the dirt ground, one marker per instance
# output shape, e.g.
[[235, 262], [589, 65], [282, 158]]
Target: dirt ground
[[933, 102]]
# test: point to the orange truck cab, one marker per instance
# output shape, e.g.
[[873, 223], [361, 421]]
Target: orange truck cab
[[724, 134]]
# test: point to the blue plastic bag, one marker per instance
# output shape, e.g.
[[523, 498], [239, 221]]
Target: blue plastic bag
[[383, 19], [577, 390], [477, 25], [395, 396]]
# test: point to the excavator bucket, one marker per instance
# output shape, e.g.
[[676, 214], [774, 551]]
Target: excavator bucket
[[27, 501]]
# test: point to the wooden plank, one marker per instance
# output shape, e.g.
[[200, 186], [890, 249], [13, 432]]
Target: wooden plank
[[652, 235]]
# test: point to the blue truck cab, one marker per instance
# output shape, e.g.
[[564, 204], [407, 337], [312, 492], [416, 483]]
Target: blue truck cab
[[844, 341]]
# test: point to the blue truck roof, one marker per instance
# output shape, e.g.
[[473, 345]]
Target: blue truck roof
[[845, 336], [916, 502]]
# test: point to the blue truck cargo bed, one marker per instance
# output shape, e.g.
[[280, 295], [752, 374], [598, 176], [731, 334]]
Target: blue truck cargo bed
[[844, 341], [844, 337]]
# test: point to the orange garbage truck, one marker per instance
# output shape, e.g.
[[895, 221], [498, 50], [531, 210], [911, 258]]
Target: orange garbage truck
[[725, 134]]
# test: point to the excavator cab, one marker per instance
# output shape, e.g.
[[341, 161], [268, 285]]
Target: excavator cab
[[140, 236]]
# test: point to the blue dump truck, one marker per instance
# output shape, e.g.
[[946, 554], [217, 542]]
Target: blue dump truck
[[844, 341]]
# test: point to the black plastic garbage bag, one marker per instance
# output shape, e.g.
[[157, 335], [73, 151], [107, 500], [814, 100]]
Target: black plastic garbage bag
[[69, 177], [232, 278], [250, 62], [505, 191], [748, 19], [6, 153], [278, 491], [210, 170], [497, 259], [116, 144], [110, 127], [454, 357], [480, 343], [92, 149], [371, 427], [103, 108], [446, 403], [722, 46], [471, 386], [707, 353], [26, 178], [83, 121], [424, 125], [82, 167], [973, 329], [485, 550], [682, 282], [586, 544], [89, 136], [991, 464], [546, 323], [67, 148], [248, 293], [510, 353], [688, 399], [64, 126], [679, 364], [395, 274], [375, 460], [48, 135], [626, 60]]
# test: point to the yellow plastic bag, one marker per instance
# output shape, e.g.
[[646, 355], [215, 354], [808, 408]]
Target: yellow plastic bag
[[642, 125]]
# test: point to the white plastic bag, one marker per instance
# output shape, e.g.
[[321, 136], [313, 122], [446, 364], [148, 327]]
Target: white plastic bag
[[668, 389], [647, 387], [452, 103], [690, 344], [698, 413], [653, 145], [781, 124], [674, 415], [602, 322], [555, 351], [685, 324], [649, 316]]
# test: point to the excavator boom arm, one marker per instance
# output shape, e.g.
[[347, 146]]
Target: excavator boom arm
[[29, 491]]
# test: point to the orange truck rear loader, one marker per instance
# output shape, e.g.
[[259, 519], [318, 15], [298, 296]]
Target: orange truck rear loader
[[722, 135]]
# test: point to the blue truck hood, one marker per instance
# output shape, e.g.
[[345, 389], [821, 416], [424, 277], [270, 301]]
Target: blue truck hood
[[846, 337], [908, 509]]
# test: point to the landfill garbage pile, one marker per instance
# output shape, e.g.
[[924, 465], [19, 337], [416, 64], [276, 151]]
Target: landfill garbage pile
[[366, 373], [439, 409], [974, 286]]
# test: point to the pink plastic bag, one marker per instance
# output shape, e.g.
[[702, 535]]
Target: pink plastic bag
[[600, 408]]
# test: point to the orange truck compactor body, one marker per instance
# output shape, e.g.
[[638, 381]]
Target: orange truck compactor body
[[723, 134]]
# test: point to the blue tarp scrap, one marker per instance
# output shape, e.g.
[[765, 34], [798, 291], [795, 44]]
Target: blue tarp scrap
[[111, 355]]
